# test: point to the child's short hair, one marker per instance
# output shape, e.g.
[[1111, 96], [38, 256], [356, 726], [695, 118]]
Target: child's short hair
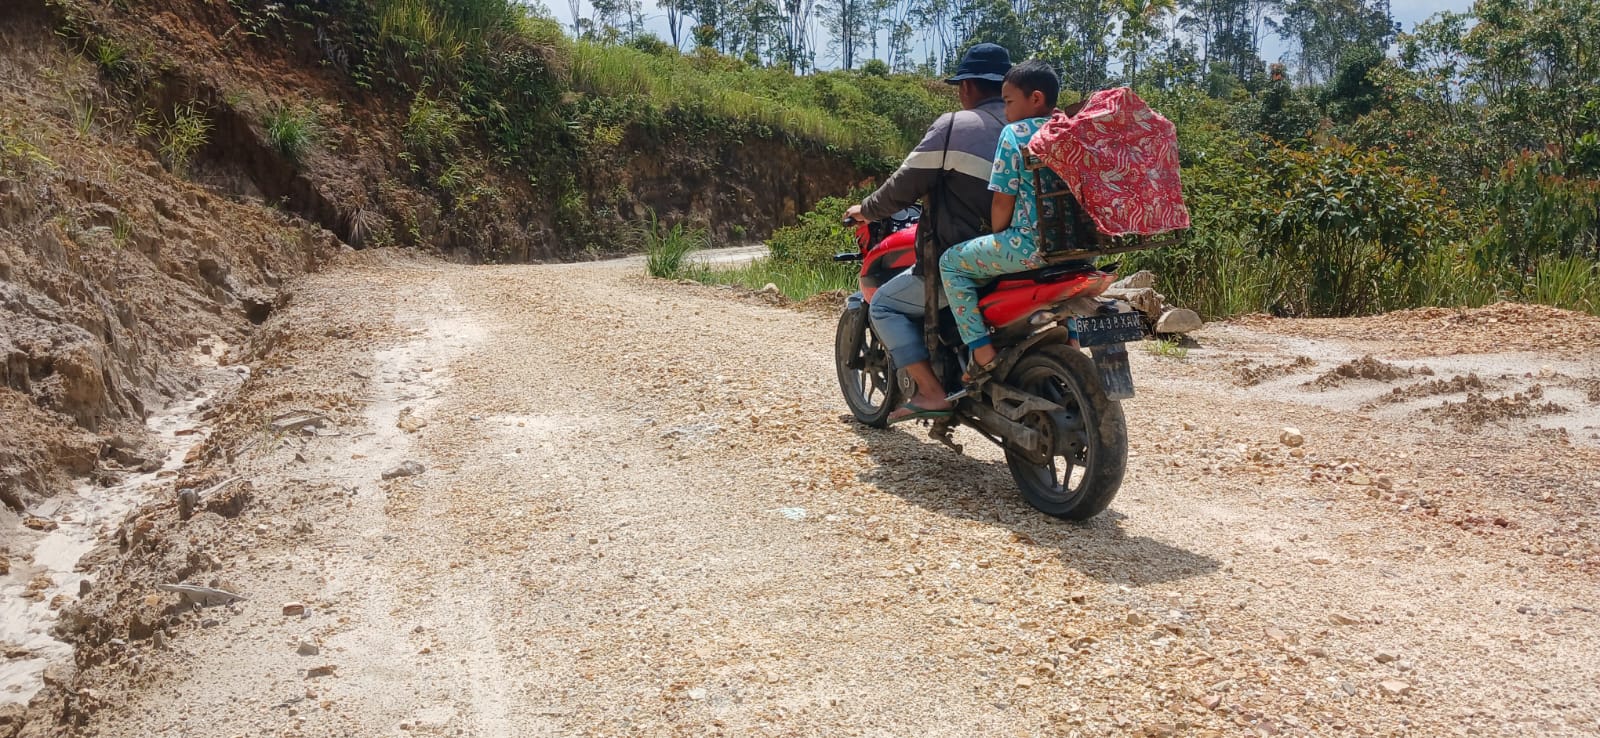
[[1036, 76]]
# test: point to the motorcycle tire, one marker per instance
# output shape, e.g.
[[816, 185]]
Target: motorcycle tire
[[866, 373], [1095, 463]]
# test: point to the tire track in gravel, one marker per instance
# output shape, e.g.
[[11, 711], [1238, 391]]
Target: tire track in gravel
[[1131, 621], [645, 514]]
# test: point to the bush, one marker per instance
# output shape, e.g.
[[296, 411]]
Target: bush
[[432, 125], [843, 111], [291, 131], [653, 45], [817, 237], [1543, 205], [1343, 224]]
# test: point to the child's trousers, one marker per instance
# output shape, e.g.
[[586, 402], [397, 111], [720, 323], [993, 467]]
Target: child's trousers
[[967, 265]]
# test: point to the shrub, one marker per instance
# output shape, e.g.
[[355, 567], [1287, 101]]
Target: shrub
[[653, 45], [846, 112], [291, 131], [1344, 224], [817, 237], [432, 125], [1543, 205]]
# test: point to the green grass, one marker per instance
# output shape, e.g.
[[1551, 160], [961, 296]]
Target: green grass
[[292, 131], [433, 125], [1571, 283], [794, 281], [829, 110], [19, 154], [448, 28], [111, 57], [183, 135], [1167, 349], [83, 115], [667, 248]]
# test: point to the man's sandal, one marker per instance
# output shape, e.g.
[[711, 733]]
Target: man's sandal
[[920, 413]]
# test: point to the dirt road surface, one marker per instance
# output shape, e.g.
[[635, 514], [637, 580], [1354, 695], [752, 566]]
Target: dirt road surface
[[644, 512]]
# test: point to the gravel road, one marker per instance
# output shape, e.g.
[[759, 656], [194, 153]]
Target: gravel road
[[645, 512]]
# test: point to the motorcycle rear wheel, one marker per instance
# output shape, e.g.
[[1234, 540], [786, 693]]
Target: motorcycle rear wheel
[[870, 387], [1083, 475]]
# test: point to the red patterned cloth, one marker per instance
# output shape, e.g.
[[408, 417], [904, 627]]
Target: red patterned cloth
[[1120, 158]]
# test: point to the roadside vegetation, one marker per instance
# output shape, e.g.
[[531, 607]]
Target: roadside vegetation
[[799, 262], [1454, 165], [292, 130]]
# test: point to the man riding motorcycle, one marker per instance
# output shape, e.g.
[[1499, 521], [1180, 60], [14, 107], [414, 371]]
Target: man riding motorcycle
[[949, 171]]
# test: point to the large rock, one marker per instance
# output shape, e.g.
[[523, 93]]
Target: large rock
[[1178, 320]]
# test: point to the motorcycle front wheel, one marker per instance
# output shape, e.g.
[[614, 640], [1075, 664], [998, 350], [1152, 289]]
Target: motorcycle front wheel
[[1089, 438], [866, 373]]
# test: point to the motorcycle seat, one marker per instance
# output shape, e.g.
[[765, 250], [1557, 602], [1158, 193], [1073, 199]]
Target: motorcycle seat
[[1014, 297], [1049, 274]]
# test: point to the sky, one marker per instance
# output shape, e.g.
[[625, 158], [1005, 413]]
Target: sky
[[1407, 12]]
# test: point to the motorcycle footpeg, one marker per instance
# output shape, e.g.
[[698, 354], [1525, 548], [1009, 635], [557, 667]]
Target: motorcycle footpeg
[[944, 432]]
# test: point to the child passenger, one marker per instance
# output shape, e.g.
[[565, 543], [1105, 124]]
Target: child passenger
[[1029, 91]]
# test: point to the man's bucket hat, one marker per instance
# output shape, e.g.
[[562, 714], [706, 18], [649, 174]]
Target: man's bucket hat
[[983, 61]]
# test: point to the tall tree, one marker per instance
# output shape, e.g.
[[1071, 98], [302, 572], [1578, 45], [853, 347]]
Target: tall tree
[[576, 6], [617, 19], [1323, 31], [849, 24], [987, 21], [677, 11], [1141, 25], [1228, 33], [899, 16], [1074, 35], [792, 46]]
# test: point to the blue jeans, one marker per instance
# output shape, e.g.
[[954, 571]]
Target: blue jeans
[[896, 315]]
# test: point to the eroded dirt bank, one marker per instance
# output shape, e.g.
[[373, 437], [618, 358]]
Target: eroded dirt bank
[[642, 513]]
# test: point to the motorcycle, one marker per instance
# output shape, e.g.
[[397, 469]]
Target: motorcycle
[[1053, 401]]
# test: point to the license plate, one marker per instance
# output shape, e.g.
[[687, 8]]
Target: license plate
[[1102, 330]]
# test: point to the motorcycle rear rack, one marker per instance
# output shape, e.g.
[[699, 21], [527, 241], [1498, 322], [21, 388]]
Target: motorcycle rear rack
[[1068, 233]]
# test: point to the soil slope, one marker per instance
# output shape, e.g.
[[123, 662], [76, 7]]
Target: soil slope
[[146, 214], [641, 511]]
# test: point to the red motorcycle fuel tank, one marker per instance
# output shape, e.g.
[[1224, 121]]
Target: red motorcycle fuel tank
[[892, 255]]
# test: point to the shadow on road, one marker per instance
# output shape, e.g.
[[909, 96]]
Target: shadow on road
[[936, 478]]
